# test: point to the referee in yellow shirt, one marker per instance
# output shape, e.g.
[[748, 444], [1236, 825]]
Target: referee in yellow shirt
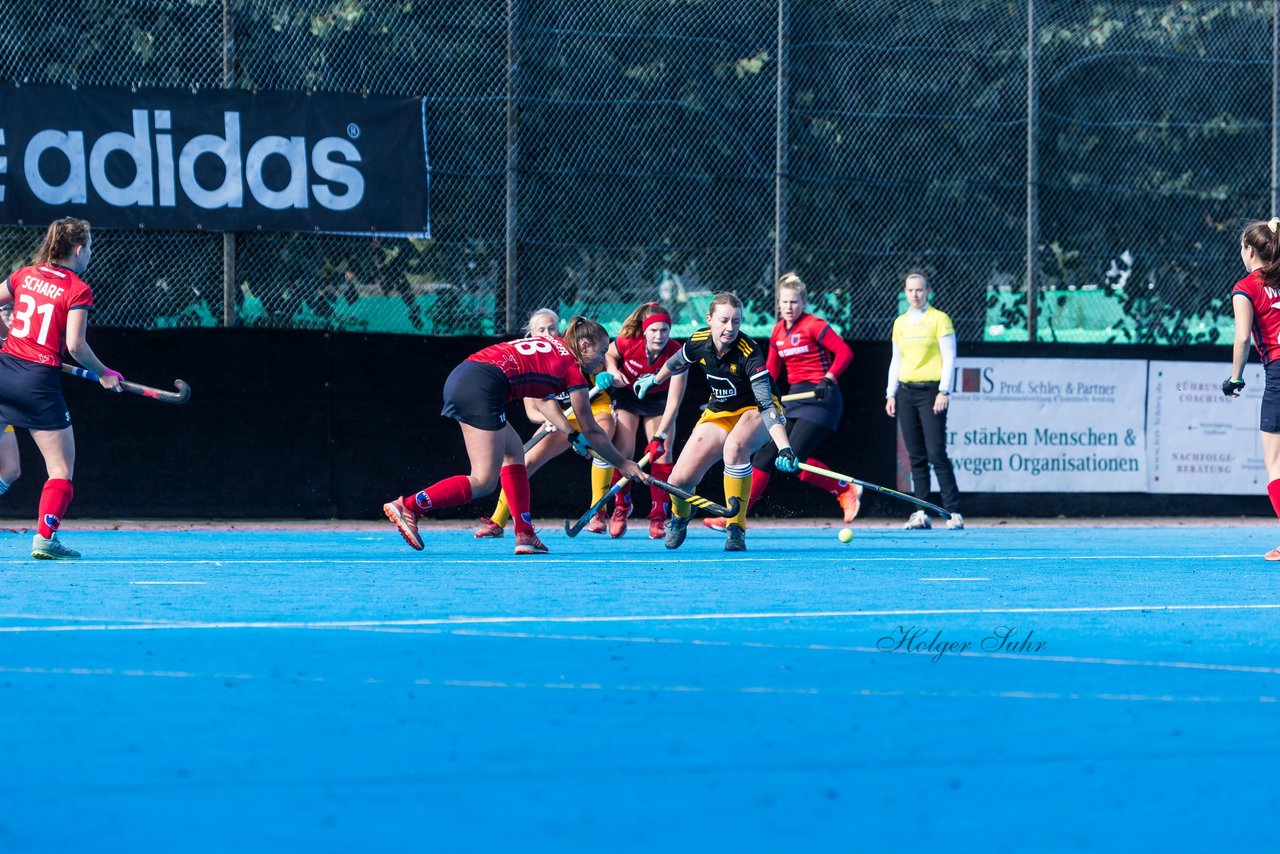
[[917, 394]]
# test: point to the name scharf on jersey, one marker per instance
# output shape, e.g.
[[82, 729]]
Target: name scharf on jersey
[[40, 286]]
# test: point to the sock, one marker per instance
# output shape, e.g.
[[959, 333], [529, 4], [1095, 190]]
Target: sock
[[680, 508], [759, 483], [1273, 491], [502, 513], [737, 484], [658, 507], [515, 484], [826, 484], [624, 495], [450, 492], [602, 477], [4, 487], [54, 500]]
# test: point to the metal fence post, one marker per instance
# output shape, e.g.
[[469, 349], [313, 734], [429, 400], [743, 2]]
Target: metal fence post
[[513, 217], [781, 143], [1033, 173], [229, 317]]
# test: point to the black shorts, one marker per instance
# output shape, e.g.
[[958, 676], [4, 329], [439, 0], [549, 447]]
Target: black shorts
[[476, 394], [625, 400], [31, 395], [1269, 415]]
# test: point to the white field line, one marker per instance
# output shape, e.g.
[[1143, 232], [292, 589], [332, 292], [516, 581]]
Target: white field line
[[162, 625]]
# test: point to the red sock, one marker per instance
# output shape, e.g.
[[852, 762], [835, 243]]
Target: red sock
[[826, 484], [759, 483], [54, 500], [1273, 490], [450, 492], [662, 471], [515, 485]]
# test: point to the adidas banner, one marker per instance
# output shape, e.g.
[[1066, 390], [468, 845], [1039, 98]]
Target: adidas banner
[[214, 160]]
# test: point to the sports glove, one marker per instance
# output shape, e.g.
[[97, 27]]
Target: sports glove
[[786, 461], [642, 386], [580, 445], [657, 447], [604, 380], [825, 388], [1231, 388]]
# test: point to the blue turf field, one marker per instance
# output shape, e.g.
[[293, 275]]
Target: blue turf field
[[316, 690]]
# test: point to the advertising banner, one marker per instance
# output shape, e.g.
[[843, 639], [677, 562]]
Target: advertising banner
[[1200, 441], [1048, 425], [214, 160]]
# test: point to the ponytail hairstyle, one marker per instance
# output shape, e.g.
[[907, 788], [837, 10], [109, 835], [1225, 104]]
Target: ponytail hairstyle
[[580, 330], [1263, 237], [792, 281], [639, 320], [724, 298], [61, 240]]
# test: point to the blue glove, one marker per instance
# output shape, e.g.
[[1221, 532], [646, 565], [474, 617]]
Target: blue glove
[[786, 461], [580, 445], [641, 386], [1231, 387], [604, 380]]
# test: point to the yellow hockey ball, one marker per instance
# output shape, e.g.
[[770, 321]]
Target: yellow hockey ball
[[846, 535]]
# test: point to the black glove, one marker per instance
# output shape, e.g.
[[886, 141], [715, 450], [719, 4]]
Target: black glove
[[786, 461], [825, 388], [1231, 388]]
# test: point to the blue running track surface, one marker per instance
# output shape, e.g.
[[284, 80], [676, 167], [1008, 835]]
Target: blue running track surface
[[1019, 688]]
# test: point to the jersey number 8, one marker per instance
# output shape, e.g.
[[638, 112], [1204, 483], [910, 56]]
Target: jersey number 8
[[22, 318], [529, 346]]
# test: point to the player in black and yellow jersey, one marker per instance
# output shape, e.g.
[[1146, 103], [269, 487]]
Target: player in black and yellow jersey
[[741, 416]]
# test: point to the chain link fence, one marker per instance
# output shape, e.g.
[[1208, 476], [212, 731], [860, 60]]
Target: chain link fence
[[590, 156]]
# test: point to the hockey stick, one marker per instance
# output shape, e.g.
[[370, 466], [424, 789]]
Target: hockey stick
[[182, 394], [548, 428], [706, 505], [576, 528], [800, 395], [884, 490]]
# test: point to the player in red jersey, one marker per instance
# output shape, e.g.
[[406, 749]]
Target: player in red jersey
[[51, 306], [476, 395], [1254, 301], [813, 356], [642, 347]]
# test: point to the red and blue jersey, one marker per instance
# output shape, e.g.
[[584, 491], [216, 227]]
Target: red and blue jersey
[[43, 295], [808, 350], [535, 367], [635, 361], [1266, 314]]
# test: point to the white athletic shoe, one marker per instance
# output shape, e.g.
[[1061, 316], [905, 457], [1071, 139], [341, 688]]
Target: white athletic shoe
[[918, 520], [52, 549], [955, 523]]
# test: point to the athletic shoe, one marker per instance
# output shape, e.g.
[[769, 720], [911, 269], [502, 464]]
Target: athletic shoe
[[955, 523], [1274, 554], [657, 528], [676, 529], [736, 541], [406, 520], [618, 522], [918, 520], [599, 523], [489, 529], [850, 499], [52, 549], [715, 523], [529, 544]]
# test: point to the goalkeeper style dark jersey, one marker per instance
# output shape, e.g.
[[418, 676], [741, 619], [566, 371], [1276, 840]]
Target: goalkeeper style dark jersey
[[729, 375]]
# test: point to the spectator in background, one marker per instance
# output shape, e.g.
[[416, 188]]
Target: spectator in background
[[918, 394], [1256, 316]]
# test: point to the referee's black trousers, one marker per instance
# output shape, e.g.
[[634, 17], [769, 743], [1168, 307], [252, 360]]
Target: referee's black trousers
[[924, 432]]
